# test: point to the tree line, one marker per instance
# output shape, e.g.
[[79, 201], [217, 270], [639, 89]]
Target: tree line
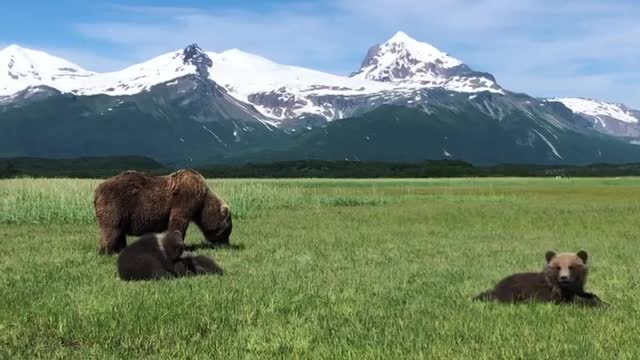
[[102, 167]]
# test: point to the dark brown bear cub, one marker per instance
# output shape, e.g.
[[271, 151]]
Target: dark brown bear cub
[[151, 257], [561, 281], [191, 265]]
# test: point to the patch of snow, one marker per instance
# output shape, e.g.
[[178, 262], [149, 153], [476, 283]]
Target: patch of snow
[[598, 108], [604, 124], [553, 149], [216, 136]]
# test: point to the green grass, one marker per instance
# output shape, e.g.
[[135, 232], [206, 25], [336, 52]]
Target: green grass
[[329, 269]]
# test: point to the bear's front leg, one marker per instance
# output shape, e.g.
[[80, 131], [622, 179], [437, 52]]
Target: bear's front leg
[[179, 220]]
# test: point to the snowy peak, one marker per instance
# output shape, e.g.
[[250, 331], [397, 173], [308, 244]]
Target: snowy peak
[[404, 60], [21, 67], [420, 50], [595, 108], [194, 55]]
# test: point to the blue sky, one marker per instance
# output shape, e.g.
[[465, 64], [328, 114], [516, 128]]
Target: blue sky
[[549, 48]]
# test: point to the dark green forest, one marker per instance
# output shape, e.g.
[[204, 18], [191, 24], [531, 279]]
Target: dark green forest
[[102, 167]]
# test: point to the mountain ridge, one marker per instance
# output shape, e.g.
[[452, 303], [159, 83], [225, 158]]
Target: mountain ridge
[[410, 101], [279, 92]]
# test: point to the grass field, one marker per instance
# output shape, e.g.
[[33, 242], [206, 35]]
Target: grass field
[[363, 269]]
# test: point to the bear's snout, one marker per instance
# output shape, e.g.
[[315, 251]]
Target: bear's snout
[[564, 275]]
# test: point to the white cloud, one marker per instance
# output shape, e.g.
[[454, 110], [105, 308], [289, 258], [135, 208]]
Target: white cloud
[[546, 48]]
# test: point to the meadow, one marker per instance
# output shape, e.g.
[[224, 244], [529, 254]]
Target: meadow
[[361, 269]]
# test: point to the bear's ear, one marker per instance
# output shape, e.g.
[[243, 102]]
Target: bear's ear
[[583, 255], [550, 255], [224, 211]]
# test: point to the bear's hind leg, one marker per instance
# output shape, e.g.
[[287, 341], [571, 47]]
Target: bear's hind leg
[[121, 242], [112, 240]]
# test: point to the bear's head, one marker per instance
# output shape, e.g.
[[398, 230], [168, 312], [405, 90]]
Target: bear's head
[[215, 220], [567, 271]]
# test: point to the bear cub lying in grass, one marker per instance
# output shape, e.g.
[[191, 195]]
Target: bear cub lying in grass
[[158, 256], [191, 265], [561, 281]]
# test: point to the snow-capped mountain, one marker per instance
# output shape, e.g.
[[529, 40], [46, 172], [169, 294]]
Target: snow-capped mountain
[[401, 71], [610, 118], [277, 91], [21, 68], [283, 91], [404, 60], [408, 102], [141, 77], [27, 67], [391, 72]]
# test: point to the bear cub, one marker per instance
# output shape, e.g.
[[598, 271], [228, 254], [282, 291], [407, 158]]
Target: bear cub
[[151, 257], [192, 265], [561, 281]]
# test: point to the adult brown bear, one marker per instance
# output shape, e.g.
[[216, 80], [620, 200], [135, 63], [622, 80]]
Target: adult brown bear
[[136, 203]]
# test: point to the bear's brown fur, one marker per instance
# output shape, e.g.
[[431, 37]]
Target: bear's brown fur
[[136, 203], [561, 281]]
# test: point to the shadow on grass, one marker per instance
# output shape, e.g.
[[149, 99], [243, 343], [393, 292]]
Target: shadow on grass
[[206, 245]]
